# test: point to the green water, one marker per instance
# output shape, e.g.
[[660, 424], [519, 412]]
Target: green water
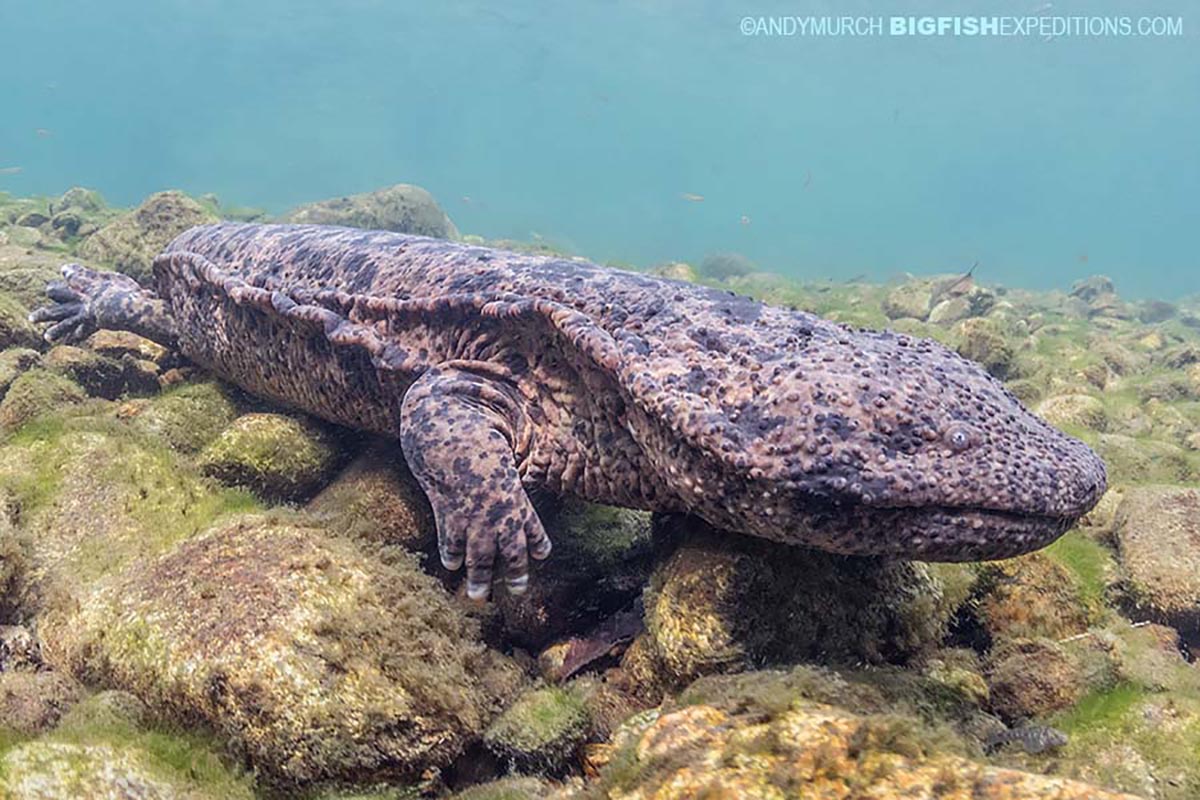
[[589, 124]]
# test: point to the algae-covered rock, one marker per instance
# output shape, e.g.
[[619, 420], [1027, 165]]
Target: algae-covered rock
[[909, 300], [118, 344], [24, 273], [1158, 533], [33, 702], [1140, 460], [275, 455], [35, 393], [676, 271], [511, 788], [375, 499], [541, 730], [1032, 595], [15, 361], [131, 242], [1077, 410], [720, 603], [806, 749], [188, 417], [19, 649], [15, 328], [402, 208], [984, 341], [101, 376], [1031, 678], [101, 750], [314, 661]]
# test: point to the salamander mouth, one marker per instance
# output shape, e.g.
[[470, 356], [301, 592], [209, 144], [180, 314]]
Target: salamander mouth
[[933, 533]]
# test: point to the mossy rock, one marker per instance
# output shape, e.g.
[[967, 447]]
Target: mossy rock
[[98, 752], [805, 749], [131, 242], [187, 418], [985, 342], [277, 456], [1032, 678], [402, 208], [33, 702], [36, 393], [1033, 595], [316, 662], [541, 730], [101, 376], [15, 361], [512, 788], [24, 273], [376, 500], [119, 344], [1140, 461], [910, 300], [1074, 410], [720, 603], [15, 328], [1158, 532], [676, 271], [91, 501]]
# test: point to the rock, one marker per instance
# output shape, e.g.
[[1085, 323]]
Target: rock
[[35, 393], [32, 219], [1129, 459], [723, 266], [276, 456], [1074, 410], [33, 702], [13, 362], [806, 750], [1100, 298], [676, 271], [25, 273], [1158, 533], [983, 340], [1030, 596], [511, 788], [19, 649], [376, 500], [101, 376], [315, 662], [15, 328], [402, 208], [1152, 312], [51, 769], [119, 344], [131, 242], [541, 730], [1031, 678], [950, 310], [188, 417], [84, 201], [722, 602], [909, 300]]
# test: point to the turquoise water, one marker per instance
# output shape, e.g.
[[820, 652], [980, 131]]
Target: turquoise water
[[590, 123]]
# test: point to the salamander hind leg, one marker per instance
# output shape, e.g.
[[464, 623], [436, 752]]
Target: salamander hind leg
[[459, 431], [86, 300]]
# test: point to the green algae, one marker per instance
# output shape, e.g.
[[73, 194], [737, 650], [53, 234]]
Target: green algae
[[1090, 562], [541, 728]]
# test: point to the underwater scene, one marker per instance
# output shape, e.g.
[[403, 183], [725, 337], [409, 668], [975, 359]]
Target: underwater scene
[[622, 399]]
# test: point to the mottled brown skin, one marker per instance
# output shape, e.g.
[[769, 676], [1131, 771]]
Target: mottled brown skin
[[502, 373]]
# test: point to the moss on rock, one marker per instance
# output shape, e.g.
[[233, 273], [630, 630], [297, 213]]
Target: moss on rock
[[1032, 678], [15, 328], [402, 208], [36, 393], [316, 662], [720, 603], [131, 242], [1074, 410], [984, 341], [188, 417], [1033, 595], [1158, 532], [277, 456], [33, 702], [101, 376], [13, 362], [541, 730]]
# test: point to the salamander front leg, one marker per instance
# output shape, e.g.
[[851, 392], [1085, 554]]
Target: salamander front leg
[[458, 432]]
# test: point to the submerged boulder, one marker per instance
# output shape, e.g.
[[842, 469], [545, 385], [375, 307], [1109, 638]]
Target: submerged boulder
[[541, 729], [1158, 534], [402, 208], [189, 417], [35, 393], [721, 603], [277, 456], [316, 662], [130, 243]]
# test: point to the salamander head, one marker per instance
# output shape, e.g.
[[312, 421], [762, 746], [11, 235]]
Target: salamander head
[[879, 443]]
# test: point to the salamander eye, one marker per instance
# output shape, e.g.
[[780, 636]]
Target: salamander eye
[[959, 437]]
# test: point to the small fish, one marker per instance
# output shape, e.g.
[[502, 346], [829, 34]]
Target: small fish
[[692, 198], [807, 178], [10, 170], [1083, 258], [1033, 739], [43, 133], [744, 220]]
